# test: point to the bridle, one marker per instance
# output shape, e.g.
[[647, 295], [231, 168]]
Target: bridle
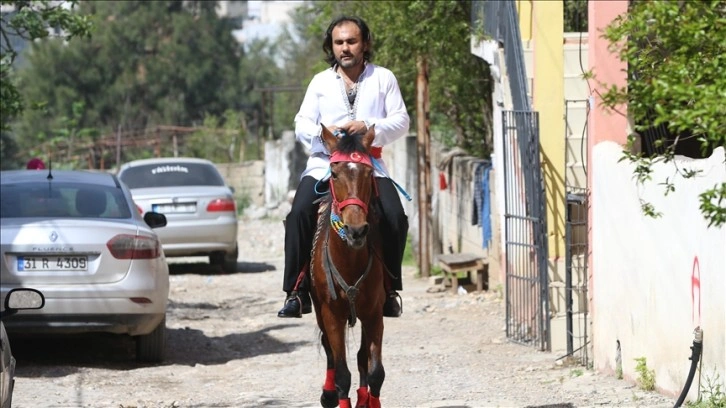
[[354, 157], [330, 270]]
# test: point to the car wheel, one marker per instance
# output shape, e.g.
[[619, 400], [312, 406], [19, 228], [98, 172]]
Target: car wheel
[[150, 347], [228, 261]]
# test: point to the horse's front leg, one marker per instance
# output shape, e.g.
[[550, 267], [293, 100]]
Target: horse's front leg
[[373, 338], [337, 382], [362, 401], [329, 397]]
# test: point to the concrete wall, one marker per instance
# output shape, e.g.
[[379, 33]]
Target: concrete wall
[[456, 228], [657, 279], [652, 281], [247, 179], [285, 160], [452, 207]]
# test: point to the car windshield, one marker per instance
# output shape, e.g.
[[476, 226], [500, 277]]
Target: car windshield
[[62, 200], [171, 175]]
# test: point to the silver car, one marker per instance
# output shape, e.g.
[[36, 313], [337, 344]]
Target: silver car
[[199, 206], [16, 300], [78, 238]]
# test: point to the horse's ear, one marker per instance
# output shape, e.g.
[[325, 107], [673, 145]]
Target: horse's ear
[[329, 140], [368, 137]]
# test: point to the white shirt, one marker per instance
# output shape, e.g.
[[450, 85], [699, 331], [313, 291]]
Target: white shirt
[[378, 102]]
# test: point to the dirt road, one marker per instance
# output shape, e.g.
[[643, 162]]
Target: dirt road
[[227, 348]]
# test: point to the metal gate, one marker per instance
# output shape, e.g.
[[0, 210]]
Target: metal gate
[[525, 229]]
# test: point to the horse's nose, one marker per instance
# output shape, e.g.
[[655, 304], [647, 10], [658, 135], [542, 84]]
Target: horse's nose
[[356, 233]]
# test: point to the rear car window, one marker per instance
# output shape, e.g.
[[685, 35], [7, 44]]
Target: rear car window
[[63, 200], [171, 175]]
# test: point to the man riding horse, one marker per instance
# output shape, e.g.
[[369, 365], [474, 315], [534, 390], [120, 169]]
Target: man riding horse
[[350, 97]]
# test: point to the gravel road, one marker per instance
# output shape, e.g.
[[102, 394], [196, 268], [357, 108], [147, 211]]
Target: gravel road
[[227, 348]]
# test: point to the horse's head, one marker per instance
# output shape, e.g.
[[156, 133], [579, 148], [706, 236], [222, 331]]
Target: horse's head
[[351, 182]]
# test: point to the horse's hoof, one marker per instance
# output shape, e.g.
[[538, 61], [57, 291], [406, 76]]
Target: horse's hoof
[[329, 399]]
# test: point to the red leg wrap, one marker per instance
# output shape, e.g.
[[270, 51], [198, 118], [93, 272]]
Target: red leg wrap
[[344, 403], [374, 402], [329, 380], [362, 398]]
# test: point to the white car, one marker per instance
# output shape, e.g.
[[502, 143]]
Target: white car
[[17, 299], [199, 206], [78, 238]]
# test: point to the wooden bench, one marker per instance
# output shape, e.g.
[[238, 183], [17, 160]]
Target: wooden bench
[[452, 264]]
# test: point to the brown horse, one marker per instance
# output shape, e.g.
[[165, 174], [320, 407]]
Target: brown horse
[[347, 272]]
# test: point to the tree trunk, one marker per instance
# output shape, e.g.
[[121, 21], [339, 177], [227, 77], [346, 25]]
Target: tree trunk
[[423, 141]]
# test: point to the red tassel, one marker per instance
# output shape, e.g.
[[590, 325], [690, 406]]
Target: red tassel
[[329, 380], [374, 402], [344, 403], [362, 398], [442, 182]]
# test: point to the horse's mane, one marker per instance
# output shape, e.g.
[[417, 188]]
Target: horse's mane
[[350, 144]]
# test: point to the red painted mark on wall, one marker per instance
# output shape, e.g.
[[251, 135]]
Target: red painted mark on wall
[[695, 291]]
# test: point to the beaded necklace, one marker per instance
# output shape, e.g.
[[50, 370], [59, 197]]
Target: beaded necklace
[[352, 94]]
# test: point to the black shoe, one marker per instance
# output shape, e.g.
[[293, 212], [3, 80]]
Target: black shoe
[[391, 308], [296, 304]]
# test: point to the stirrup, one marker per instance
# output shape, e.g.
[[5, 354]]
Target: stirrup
[[397, 310]]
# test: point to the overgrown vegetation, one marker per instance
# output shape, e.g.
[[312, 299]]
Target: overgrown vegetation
[[30, 21], [675, 88], [243, 201], [575, 17], [408, 256], [576, 372], [646, 376], [712, 394]]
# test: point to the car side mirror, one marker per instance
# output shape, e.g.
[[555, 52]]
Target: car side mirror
[[22, 299], [155, 219]]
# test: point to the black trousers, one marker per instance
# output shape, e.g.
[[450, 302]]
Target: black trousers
[[300, 227]]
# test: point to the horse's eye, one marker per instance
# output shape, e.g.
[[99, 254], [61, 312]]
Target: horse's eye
[[334, 175]]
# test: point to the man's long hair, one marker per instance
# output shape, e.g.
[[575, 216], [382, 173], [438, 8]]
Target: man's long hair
[[328, 41]]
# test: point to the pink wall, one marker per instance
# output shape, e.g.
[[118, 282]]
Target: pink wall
[[608, 69]]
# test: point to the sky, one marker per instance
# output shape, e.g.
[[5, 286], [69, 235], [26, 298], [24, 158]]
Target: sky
[[267, 19]]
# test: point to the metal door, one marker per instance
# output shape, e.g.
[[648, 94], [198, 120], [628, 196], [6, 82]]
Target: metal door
[[525, 232]]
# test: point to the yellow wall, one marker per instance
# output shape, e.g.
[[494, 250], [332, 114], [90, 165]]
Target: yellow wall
[[524, 9], [549, 99]]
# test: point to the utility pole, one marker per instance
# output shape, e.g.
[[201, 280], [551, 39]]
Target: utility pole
[[267, 105], [423, 142]]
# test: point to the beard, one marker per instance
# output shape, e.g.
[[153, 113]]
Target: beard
[[349, 62]]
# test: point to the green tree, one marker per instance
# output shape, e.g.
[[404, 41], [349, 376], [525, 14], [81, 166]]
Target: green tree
[[221, 140], [148, 63], [575, 16], [460, 87], [675, 51], [29, 21], [262, 79]]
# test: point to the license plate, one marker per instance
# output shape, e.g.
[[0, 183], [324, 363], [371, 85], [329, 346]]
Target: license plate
[[52, 263], [174, 208]]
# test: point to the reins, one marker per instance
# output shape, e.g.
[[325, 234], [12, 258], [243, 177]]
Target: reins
[[350, 291]]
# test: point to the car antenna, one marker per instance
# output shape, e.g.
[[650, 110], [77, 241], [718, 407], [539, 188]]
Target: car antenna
[[50, 166]]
